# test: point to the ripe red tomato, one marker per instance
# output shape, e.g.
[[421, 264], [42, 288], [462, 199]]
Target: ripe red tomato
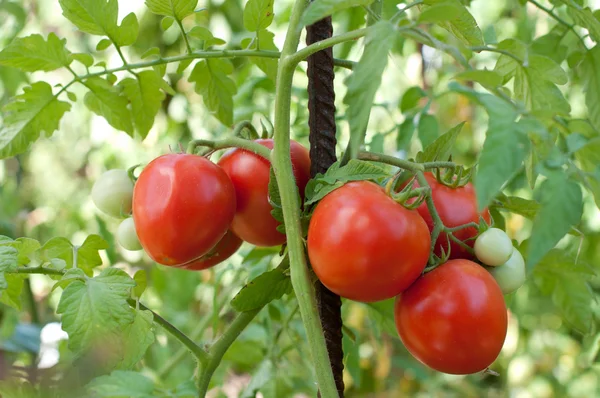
[[456, 206], [364, 246], [182, 207], [228, 245], [453, 319], [249, 173]]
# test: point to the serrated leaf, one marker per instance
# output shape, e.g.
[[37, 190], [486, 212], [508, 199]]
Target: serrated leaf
[[87, 254], [11, 295], [26, 247], [146, 97], [557, 275], [428, 129], [104, 100], [178, 9], [585, 18], [141, 281], [441, 12], [365, 80], [8, 262], [590, 72], [502, 156], [441, 148], [487, 78], [269, 286], [258, 14], [411, 98], [121, 384], [33, 53], [136, 339], [201, 33], [127, 33], [561, 208], [265, 40], [60, 248], [95, 309], [216, 88], [336, 176], [463, 25], [96, 17], [319, 9], [514, 204], [29, 115], [72, 275]]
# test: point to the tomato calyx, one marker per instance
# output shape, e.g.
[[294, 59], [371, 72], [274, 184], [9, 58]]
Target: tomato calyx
[[131, 172], [410, 197], [456, 177]]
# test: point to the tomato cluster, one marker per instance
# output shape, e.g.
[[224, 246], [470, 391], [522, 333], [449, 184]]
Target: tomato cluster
[[190, 213]]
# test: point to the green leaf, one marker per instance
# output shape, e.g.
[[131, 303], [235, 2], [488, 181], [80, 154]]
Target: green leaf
[[269, 286], [559, 276], [263, 374], [441, 148], [382, 312], [463, 25], [11, 296], [500, 112], [96, 17], [84, 58], [258, 14], [216, 88], [146, 97], [166, 23], [121, 384], [406, 131], [275, 200], [127, 33], [177, 9], [35, 112], [514, 204], [87, 254], [136, 339], [33, 53], [590, 72], [201, 33], [72, 275], [550, 46], [561, 208], [8, 263], [440, 12], [141, 282], [585, 18], [365, 80], [410, 98], [103, 44], [502, 156], [319, 9], [105, 100], [266, 42], [428, 129], [98, 308], [336, 176], [60, 248], [487, 78]]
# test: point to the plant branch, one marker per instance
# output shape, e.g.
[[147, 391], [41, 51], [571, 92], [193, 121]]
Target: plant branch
[[402, 11], [323, 44], [37, 270], [496, 50], [403, 164], [230, 142], [282, 165], [220, 347], [184, 35]]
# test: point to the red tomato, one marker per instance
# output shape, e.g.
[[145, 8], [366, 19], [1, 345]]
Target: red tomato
[[456, 206], [249, 173], [228, 245], [453, 319], [364, 246], [182, 207]]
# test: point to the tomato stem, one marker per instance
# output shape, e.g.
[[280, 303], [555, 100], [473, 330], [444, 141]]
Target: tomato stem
[[245, 124], [231, 142]]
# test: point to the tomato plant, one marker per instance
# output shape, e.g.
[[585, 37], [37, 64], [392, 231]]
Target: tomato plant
[[250, 173], [493, 247], [182, 207], [112, 193], [453, 319], [512, 274], [364, 246], [226, 247], [126, 235]]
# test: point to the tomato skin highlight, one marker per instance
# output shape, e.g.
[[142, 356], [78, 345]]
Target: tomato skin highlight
[[456, 206], [228, 245], [453, 319], [249, 173], [182, 206], [364, 246]]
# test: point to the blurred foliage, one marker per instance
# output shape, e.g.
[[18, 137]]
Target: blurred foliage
[[45, 193]]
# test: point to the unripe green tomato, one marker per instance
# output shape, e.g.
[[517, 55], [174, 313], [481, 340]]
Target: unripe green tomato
[[510, 275], [493, 247], [112, 193], [126, 235]]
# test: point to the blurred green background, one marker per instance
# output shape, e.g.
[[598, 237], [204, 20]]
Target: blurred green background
[[46, 193]]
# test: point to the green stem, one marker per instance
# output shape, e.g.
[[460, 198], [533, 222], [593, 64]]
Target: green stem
[[38, 270], [496, 50], [184, 35], [231, 142], [245, 124], [438, 165], [557, 19], [403, 164], [320, 45], [33, 309], [438, 224], [402, 11], [220, 347]]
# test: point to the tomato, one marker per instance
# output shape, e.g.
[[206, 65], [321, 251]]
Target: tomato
[[126, 235], [364, 246], [493, 247], [249, 173], [228, 245], [453, 319], [112, 193], [182, 207], [512, 274], [456, 206]]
